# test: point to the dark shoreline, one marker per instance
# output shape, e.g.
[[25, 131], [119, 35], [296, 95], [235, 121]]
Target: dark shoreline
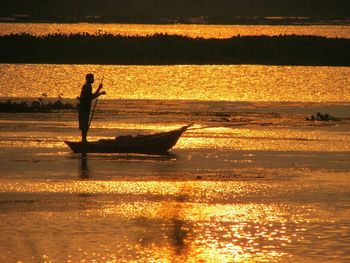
[[288, 21], [161, 49], [40, 105]]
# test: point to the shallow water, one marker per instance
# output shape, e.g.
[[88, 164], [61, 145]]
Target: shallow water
[[182, 82], [242, 220], [204, 31], [261, 185]]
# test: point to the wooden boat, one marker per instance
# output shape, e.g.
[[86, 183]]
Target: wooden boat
[[148, 144]]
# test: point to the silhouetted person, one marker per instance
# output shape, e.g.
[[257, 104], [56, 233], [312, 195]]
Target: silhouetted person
[[85, 99]]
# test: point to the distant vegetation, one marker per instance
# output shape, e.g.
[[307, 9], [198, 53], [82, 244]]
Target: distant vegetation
[[163, 11], [35, 106], [172, 49]]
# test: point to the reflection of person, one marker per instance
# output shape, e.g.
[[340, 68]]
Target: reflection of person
[[84, 169], [85, 99]]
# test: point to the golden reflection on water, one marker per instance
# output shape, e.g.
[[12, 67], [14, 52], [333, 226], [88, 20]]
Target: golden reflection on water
[[166, 221], [197, 200], [264, 139], [190, 30], [182, 82], [222, 138]]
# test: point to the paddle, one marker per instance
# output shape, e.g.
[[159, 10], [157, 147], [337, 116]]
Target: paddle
[[93, 111]]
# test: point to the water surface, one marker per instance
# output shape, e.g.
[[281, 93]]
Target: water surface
[[204, 31], [259, 184], [182, 82]]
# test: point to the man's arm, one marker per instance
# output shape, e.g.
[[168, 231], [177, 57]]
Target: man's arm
[[98, 93]]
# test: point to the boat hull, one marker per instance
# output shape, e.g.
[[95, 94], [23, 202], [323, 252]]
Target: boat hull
[[147, 144]]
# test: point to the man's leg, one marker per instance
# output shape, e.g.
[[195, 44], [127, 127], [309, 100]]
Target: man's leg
[[84, 136]]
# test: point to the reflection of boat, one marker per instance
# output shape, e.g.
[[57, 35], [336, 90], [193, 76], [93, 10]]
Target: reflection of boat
[[151, 143]]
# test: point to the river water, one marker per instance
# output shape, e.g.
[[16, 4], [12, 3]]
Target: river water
[[182, 82], [204, 31], [260, 183]]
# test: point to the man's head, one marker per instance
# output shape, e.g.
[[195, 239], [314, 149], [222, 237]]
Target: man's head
[[89, 78]]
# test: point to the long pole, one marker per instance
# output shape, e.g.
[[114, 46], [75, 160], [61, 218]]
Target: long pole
[[93, 111], [92, 114]]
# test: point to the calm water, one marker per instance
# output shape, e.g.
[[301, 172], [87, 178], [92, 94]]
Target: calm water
[[205, 31], [260, 184], [263, 184], [182, 82]]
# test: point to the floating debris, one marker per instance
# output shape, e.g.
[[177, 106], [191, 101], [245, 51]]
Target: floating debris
[[321, 117]]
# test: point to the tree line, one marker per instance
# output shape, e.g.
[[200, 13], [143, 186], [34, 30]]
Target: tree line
[[163, 49]]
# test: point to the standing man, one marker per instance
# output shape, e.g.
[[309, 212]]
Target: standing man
[[85, 99]]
